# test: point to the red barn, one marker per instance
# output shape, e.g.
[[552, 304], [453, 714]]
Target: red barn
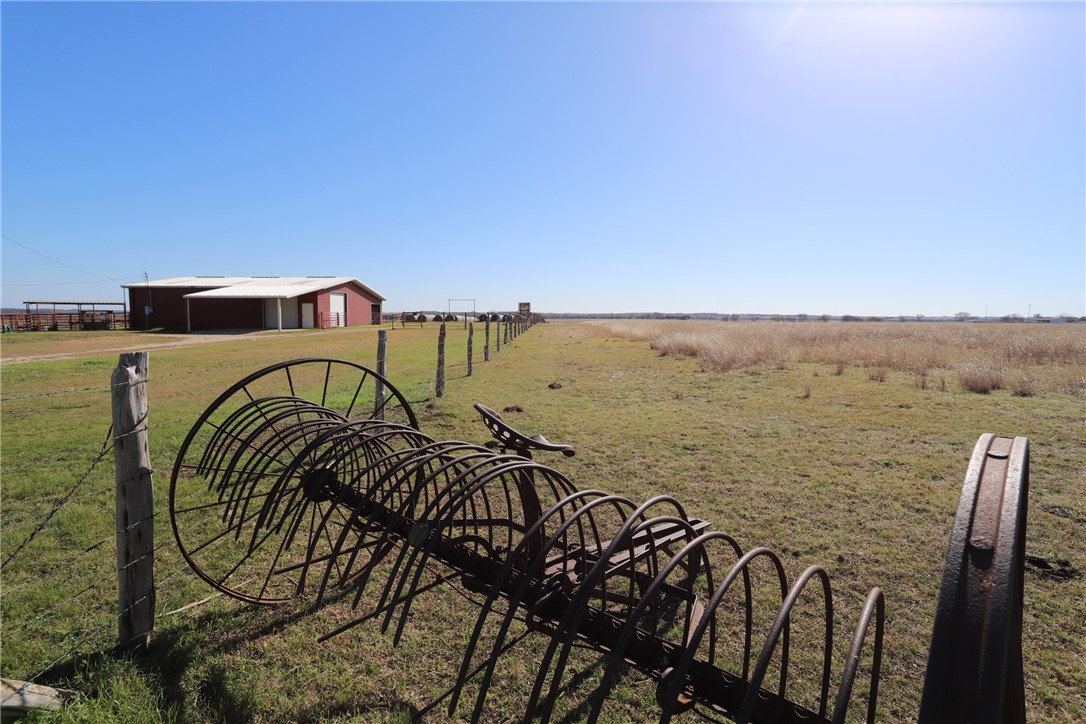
[[201, 303]]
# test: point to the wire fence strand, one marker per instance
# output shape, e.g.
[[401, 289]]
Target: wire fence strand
[[106, 448]]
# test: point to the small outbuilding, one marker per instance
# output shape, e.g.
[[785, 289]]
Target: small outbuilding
[[205, 303]]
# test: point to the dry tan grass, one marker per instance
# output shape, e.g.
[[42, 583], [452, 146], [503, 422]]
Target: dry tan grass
[[1052, 357]]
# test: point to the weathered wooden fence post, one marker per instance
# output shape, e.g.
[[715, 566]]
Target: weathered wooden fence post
[[498, 338], [135, 502], [379, 389], [486, 341], [441, 361], [471, 335]]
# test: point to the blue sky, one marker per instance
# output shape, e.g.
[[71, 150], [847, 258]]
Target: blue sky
[[838, 158]]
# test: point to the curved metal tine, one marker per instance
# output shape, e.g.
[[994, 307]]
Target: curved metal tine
[[358, 525], [416, 481], [221, 439], [708, 619], [326, 437], [230, 431], [445, 519], [375, 439], [334, 549], [781, 624], [237, 524], [267, 451], [567, 628], [291, 510], [694, 548], [221, 580], [284, 441], [361, 524], [507, 468], [334, 456], [241, 489], [380, 446], [975, 660], [243, 386], [440, 513], [415, 475], [329, 438], [617, 502], [506, 572], [586, 591], [873, 606], [314, 433], [218, 447], [391, 482]]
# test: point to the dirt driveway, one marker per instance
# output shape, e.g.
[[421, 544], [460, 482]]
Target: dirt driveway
[[38, 346]]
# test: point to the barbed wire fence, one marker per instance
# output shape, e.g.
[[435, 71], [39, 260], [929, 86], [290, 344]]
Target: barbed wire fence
[[63, 579]]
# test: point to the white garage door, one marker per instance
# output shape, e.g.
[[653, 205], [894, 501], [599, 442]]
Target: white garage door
[[337, 309]]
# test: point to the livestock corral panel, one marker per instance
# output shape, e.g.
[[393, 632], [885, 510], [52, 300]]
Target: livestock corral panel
[[63, 321]]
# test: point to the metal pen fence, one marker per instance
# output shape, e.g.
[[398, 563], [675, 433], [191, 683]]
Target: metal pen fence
[[63, 321]]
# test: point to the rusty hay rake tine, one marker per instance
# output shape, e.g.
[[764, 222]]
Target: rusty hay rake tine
[[695, 547], [674, 682], [453, 495], [420, 531], [875, 607], [529, 576], [574, 613], [500, 581], [779, 630]]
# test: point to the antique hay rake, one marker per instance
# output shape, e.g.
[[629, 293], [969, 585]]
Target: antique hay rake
[[312, 476]]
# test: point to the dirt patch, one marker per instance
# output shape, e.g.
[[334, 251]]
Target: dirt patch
[[76, 345], [1061, 571]]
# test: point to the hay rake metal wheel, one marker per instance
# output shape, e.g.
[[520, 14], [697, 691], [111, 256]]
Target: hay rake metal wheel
[[254, 490]]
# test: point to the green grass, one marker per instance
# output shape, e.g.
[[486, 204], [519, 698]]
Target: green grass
[[858, 475]]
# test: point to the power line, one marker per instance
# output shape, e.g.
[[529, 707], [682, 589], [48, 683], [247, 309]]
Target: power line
[[103, 277]]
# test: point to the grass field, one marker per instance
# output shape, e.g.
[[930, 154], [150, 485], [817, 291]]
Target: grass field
[[837, 444]]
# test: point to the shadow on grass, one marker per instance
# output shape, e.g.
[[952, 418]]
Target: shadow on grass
[[165, 668]]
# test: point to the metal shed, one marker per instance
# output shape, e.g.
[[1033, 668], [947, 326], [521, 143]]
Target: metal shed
[[205, 303]]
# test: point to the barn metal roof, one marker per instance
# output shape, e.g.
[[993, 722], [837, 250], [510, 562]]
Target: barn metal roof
[[253, 287]]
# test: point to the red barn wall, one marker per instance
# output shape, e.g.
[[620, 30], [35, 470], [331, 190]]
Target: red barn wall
[[168, 305], [359, 304], [227, 313]]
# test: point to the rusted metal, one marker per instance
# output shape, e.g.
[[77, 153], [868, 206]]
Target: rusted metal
[[975, 661], [278, 493]]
